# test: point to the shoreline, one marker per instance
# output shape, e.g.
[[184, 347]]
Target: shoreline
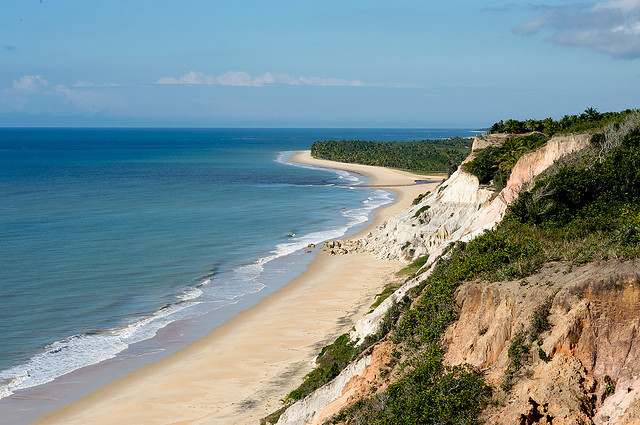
[[240, 370]]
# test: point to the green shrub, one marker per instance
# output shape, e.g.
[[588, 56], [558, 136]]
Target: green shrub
[[386, 293], [518, 350], [540, 319], [421, 210], [420, 197], [331, 360], [494, 163], [430, 394]]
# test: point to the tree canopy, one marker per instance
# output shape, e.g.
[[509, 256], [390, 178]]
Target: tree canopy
[[425, 156]]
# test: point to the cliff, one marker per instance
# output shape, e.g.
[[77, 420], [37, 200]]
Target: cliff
[[584, 370], [591, 375], [459, 210]]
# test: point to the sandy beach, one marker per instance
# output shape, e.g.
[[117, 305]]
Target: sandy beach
[[240, 371]]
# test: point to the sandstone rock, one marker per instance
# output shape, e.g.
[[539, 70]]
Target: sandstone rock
[[594, 340]]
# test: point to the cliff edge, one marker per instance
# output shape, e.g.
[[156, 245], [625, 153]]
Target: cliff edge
[[559, 346]]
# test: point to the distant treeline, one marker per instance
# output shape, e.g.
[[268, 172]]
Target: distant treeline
[[425, 156], [588, 121]]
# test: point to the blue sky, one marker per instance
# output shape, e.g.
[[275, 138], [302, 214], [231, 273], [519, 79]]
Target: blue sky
[[305, 63]]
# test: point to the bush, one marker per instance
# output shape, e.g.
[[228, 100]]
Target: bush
[[430, 394], [494, 164], [420, 197], [421, 210], [413, 268], [540, 319], [331, 360]]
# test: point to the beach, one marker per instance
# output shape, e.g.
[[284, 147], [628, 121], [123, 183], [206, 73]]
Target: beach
[[242, 369]]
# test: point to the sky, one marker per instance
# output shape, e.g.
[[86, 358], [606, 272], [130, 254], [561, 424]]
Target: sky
[[311, 63]]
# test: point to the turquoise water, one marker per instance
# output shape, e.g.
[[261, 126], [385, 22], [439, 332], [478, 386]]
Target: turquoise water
[[109, 235]]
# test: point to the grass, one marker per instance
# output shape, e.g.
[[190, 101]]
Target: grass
[[420, 197], [389, 289], [413, 268]]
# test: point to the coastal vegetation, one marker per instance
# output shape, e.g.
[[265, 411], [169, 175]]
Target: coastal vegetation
[[494, 163], [423, 157], [586, 122], [584, 208]]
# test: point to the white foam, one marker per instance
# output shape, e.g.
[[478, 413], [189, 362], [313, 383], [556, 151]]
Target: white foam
[[75, 352], [351, 178], [190, 293]]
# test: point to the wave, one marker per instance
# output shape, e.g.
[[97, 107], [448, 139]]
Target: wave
[[349, 178], [62, 357], [81, 350]]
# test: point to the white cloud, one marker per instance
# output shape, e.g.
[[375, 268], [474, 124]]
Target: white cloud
[[192, 78], [608, 27], [34, 93], [30, 83], [240, 78], [84, 83], [623, 5]]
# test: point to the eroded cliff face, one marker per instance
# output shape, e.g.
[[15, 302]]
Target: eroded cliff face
[[461, 209], [592, 375]]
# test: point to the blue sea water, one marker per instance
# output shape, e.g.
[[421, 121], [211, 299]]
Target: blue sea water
[[109, 235]]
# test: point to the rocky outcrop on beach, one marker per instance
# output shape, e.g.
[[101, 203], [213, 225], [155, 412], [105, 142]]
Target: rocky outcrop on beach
[[342, 247]]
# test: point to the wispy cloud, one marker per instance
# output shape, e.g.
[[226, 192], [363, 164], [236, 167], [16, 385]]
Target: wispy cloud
[[33, 92], [239, 78], [608, 27], [84, 83], [30, 83]]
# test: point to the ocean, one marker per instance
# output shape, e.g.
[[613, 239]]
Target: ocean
[[111, 236]]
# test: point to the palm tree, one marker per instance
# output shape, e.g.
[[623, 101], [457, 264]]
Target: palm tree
[[591, 114]]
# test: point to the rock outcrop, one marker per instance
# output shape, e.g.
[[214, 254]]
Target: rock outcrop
[[592, 377]]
